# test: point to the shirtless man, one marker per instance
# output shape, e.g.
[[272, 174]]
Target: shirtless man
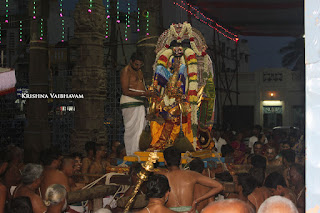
[[132, 102], [197, 165], [182, 184], [158, 190], [30, 182], [51, 174], [296, 177], [271, 157], [228, 206], [98, 166]]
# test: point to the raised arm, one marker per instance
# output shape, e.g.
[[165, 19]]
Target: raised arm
[[215, 186]]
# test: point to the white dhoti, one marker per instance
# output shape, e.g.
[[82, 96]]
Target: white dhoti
[[133, 113]]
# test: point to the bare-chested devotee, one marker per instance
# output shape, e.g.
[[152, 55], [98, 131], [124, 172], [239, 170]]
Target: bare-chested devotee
[[51, 173], [132, 102], [277, 204], [90, 148], [158, 190], [197, 165], [30, 182], [100, 163], [297, 181], [182, 184], [228, 206], [271, 157]]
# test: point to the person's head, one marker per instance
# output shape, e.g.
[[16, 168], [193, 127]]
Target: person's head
[[101, 151], [258, 174], [285, 145], [90, 148], [31, 174], [15, 154], [114, 146], [276, 182], [231, 205], [177, 48], [77, 157], [296, 175], [227, 150], [256, 130], [258, 161], [271, 153], [136, 61], [158, 187], [196, 165], [288, 157], [257, 148], [56, 196], [277, 204], [50, 157], [67, 166], [20, 205], [121, 151], [246, 183], [172, 156]]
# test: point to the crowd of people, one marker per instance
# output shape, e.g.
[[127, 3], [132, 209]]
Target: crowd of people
[[275, 178]]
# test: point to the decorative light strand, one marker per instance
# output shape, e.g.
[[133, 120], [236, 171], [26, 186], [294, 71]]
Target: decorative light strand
[[62, 21], [147, 24], [138, 20], [0, 33], [34, 9], [127, 23], [107, 17], [118, 12], [7, 12], [41, 29], [90, 6], [20, 31], [211, 23]]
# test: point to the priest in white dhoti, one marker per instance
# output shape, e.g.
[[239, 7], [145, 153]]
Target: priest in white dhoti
[[132, 102]]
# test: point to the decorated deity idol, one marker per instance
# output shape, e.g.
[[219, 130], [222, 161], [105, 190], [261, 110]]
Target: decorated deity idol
[[174, 107]]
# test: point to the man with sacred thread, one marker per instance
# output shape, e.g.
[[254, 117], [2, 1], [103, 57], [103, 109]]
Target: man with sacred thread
[[132, 102]]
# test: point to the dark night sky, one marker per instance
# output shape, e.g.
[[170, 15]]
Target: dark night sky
[[264, 51]]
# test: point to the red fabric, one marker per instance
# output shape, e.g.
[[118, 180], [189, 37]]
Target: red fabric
[[192, 39], [192, 74], [167, 46], [203, 53], [191, 57], [4, 92], [192, 92], [179, 38], [163, 58]]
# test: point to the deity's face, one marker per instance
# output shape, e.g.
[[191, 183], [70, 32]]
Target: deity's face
[[177, 51]]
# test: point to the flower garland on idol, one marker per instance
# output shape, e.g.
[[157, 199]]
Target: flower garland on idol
[[190, 60]]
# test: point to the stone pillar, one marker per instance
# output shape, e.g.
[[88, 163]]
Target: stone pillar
[[37, 135], [89, 75], [147, 46]]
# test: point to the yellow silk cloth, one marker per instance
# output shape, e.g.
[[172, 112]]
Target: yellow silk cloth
[[156, 131]]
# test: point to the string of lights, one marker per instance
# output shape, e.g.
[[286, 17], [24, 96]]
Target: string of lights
[[90, 6], [0, 33], [118, 12], [107, 17], [20, 31], [62, 21], [34, 9], [7, 11], [127, 22], [138, 20], [41, 29], [147, 23], [208, 21]]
